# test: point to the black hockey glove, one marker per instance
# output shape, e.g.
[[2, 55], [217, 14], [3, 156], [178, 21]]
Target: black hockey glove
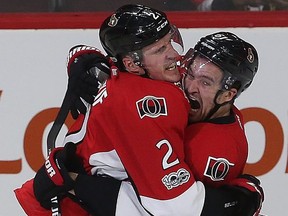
[[241, 197], [53, 179], [251, 186], [87, 68]]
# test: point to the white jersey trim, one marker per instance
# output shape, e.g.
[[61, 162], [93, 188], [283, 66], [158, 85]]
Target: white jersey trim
[[79, 136], [107, 163], [190, 203]]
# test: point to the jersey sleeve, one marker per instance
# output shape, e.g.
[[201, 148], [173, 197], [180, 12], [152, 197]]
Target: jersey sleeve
[[137, 128], [230, 201]]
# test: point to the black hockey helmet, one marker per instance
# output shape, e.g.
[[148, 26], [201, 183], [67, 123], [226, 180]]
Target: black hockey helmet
[[131, 28], [237, 58]]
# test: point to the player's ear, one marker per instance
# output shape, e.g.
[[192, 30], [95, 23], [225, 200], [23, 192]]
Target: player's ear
[[232, 93], [227, 96], [131, 67]]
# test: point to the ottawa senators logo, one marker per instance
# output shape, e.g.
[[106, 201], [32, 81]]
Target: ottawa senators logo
[[113, 21], [152, 107], [250, 56], [217, 168]]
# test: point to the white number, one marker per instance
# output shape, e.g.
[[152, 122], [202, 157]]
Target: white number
[[165, 162]]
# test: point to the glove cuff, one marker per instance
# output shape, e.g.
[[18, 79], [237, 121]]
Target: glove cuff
[[79, 50], [52, 167]]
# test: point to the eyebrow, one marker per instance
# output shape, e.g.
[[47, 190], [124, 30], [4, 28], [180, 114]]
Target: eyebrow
[[208, 78], [202, 76]]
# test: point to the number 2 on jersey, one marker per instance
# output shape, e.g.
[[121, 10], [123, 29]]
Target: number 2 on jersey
[[165, 161]]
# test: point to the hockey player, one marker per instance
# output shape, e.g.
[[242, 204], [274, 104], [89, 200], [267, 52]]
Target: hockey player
[[221, 68], [146, 152], [221, 160]]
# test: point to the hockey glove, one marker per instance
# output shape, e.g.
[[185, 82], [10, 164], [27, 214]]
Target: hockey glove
[[251, 186], [53, 179], [87, 68]]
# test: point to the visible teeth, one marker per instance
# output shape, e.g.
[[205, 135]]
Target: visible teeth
[[172, 66]]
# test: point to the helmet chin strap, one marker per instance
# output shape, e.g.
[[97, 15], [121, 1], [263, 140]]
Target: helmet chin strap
[[139, 64], [216, 106], [145, 75]]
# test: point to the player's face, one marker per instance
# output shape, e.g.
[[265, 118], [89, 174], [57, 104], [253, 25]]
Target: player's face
[[159, 59], [202, 82]]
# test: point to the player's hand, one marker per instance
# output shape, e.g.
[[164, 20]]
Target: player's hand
[[53, 179], [251, 186], [88, 69]]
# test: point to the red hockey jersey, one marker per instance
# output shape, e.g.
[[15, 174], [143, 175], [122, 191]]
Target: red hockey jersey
[[139, 124], [217, 151]]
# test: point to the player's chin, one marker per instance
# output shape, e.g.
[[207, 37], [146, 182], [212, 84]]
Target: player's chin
[[195, 115], [173, 75]]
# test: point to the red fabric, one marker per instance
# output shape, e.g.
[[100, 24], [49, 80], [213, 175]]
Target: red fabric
[[32, 207], [160, 114], [216, 153]]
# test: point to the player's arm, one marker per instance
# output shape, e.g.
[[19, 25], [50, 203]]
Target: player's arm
[[55, 178], [235, 200], [243, 197], [229, 201], [108, 196]]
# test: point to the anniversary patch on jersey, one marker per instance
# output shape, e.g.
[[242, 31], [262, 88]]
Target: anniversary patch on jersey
[[176, 179], [217, 168], [151, 106]]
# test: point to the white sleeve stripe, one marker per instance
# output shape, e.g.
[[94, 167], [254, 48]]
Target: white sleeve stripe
[[77, 137]]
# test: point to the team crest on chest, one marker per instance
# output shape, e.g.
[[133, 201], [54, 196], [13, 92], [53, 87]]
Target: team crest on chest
[[151, 106], [217, 168]]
